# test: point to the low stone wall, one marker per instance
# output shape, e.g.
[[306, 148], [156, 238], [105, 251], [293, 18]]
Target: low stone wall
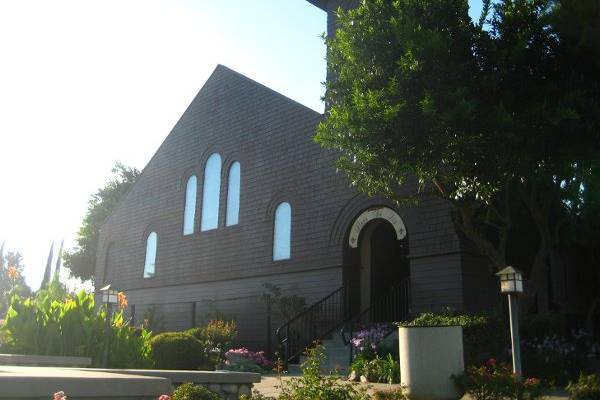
[[37, 383], [228, 384], [44, 361]]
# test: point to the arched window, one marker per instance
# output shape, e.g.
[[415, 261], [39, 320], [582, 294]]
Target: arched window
[[211, 193], [233, 195], [190, 206], [150, 263], [282, 232], [110, 264]]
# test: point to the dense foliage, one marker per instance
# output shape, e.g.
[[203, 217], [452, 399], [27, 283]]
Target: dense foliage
[[555, 358], [72, 326], [373, 360], [81, 261], [189, 391], [11, 278], [177, 350], [496, 381], [314, 386], [500, 119], [587, 387], [484, 336], [377, 369]]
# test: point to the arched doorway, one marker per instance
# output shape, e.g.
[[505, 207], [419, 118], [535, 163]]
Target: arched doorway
[[376, 257]]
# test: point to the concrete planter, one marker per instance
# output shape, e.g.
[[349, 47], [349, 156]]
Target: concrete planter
[[429, 356]]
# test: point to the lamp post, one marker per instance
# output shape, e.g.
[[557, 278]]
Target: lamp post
[[511, 283], [109, 296]]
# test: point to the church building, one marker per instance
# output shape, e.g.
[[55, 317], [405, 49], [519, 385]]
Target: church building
[[239, 195]]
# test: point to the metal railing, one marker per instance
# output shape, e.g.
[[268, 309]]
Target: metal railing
[[378, 321], [313, 324]]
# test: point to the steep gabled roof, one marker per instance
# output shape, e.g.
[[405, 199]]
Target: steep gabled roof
[[322, 4], [221, 75]]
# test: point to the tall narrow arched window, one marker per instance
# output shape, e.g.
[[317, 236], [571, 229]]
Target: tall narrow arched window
[[150, 263], [282, 232], [110, 264], [210, 193], [233, 195], [190, 206]]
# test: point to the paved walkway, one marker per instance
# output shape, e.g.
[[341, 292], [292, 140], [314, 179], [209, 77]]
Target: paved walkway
[[270, 385]]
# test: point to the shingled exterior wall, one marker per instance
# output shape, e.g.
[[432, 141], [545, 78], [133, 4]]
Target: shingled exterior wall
[[271, 136]]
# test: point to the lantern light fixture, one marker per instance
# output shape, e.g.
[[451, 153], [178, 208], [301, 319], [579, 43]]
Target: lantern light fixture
[[109, 296], [511, 280]]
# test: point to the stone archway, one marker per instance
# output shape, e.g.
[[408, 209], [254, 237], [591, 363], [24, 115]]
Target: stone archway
[[367, 216], [376, 256]]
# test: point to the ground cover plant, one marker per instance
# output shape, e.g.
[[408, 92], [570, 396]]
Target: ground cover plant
[[73, 326]]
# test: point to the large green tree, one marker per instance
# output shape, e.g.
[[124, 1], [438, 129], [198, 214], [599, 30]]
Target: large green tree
[[500, 119], [81, 261]]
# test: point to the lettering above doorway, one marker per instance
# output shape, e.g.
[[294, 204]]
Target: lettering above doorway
[[382, 213]]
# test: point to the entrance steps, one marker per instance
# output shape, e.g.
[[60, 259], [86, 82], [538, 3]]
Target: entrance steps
[[337, 358]]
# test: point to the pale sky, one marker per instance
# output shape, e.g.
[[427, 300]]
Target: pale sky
[[84, 83]]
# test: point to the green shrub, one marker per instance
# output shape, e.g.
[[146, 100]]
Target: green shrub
[[496, 381], [484, 336], [217, 337], [378, 369], [73, 327], [189, 391], [587, 387], [195, 332], [177, 350], [313, 386]]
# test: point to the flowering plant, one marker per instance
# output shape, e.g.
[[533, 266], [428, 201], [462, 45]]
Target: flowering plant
[[557, 359], [164, 397], [59, 396], [366, 340], [496, 381], [234, 356]]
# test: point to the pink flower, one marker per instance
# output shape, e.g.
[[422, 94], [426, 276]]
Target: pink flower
[[164, 397], [491, 362], [59, 396]]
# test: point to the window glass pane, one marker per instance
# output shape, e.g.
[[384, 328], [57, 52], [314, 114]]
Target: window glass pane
[[190, 206], [233, 195], [210, 193], [110, 265], [149, 265], [282, 232]]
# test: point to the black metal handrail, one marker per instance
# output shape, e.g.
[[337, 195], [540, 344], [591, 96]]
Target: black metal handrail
[[313, 324], [393, 306]]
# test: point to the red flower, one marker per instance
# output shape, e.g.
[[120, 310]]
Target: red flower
[[491, 362]]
